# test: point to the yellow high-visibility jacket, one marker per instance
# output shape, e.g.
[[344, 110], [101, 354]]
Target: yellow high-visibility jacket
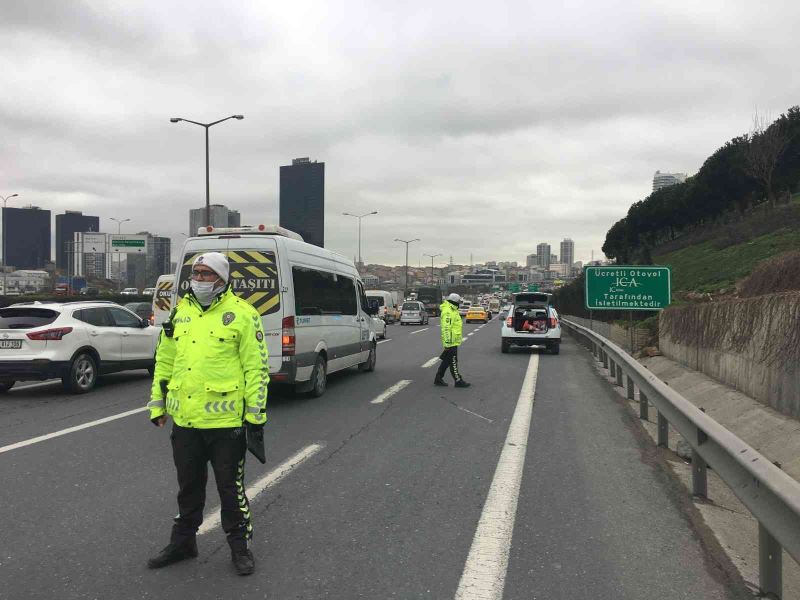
[[215, 365], [451, 325]]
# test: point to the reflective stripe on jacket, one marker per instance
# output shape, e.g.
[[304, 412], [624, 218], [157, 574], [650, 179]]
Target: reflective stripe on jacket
[[451, 325], [215, 365]]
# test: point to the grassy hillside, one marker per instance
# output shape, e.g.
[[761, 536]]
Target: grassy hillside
[[714, 258], [704, 268]]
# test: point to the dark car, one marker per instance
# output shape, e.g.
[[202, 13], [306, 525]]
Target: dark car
[[142, 309]]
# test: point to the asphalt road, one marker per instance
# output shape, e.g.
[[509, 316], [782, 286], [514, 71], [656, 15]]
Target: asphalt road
[[384, 495]]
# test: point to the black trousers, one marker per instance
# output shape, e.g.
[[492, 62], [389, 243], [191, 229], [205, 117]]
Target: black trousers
[[449, 358], [225, 448]]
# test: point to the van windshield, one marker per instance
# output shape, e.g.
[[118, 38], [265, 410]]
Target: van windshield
[[378, 299]]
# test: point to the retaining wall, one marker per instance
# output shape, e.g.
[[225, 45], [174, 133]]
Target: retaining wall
[[750, 344]]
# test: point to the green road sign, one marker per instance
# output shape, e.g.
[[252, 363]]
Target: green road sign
[[514, 288], [127, 243], [533, 287], [628, 288]]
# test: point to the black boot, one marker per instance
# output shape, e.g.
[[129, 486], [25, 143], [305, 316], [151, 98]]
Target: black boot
[[173, 553], [462, 384], [243, 561], [439, 381]]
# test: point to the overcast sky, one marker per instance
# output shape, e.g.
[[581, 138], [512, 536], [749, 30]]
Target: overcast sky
[[478, 127]]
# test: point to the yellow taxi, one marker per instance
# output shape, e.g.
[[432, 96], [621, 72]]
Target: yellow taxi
[[477, 313]]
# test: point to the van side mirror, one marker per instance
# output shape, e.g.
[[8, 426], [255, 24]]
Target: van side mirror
[[144, 323]]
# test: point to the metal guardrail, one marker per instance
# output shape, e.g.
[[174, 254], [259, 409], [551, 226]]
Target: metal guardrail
[[768, 493]]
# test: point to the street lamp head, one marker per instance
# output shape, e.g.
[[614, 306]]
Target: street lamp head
[[238, 117], [175, 120], [374, 212], [13, 195]]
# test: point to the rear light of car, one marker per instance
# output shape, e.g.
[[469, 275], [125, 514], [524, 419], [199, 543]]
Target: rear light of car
[[552, 322], [152, 319], [49, 334], [510, 322], [287, 336]]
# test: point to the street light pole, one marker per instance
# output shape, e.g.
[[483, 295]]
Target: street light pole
[[207, 126], [5, 199], [405, 283], [119, 223], [432, 257], [359, 217]]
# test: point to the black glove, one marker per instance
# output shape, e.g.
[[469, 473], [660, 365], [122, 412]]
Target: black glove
[[255, 441]]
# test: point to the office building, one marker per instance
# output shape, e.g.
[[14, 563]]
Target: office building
[[89, 256], [143, 269], [302, 199], [26, 237], [531, 260], [221, 216], [662, 180], [567, 251], [543, 252], [67, 225]]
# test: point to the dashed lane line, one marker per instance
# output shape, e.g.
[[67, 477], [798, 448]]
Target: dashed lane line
[[431, 362], [384, 341], [391, 391], [55, 434], [484, 574], [418, 331], [212, 520]]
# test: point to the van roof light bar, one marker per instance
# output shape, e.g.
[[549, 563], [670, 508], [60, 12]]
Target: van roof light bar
[[250, 229]]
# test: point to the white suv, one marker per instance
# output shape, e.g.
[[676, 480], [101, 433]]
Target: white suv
[[73, 341], [531, 321]]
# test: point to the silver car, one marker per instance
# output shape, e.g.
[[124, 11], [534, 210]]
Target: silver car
[[413, 312]]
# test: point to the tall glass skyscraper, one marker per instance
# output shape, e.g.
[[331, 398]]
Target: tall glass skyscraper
[[302, 199]]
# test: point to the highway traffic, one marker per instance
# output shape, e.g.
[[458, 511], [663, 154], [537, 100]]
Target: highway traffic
[[532, 483]]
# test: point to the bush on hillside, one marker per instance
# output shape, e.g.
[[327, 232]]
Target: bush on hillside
[[778, 274]]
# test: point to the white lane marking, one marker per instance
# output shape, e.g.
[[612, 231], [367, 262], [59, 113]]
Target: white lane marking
[[35, 385], [469, 334], [418, 331], [56, 434], [212, 520], [384, 341], [484, 574], [431, 362], [391, 391]]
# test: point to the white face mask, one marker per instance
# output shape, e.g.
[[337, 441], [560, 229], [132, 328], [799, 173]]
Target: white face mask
[[205, 292]]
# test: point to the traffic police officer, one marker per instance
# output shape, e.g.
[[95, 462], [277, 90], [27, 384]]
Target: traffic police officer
[[451, 339], [211, 376]]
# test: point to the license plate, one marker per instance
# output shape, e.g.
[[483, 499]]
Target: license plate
[[10, 344]]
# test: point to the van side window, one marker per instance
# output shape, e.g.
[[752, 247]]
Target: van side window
[[322, 293]]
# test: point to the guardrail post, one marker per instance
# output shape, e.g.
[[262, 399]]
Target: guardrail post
[[770, 568], [631, 394], [663, 431], [605, 359], [619, 376], [699, 476], [643, 406], [611, 368]]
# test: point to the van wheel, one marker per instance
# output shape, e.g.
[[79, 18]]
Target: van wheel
[[505, 347], [555, 348], [369, 365], [82, 374], [6, 385], [319, 377]]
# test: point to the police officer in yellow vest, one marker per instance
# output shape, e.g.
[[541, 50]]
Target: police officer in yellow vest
[[211, 376], [451, 339]]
